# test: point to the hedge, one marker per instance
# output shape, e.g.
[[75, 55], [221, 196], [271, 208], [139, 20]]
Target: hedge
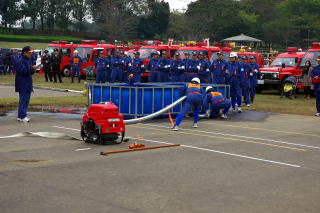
[[41, 39]]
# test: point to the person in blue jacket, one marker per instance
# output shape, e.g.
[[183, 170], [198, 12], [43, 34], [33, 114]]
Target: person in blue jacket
[[153, 67], [108, 65], [1, 62], [127, 66], [101, 67], [186, 62], [137, 68], [255, 69], [75, 63], [246, 84], [177, 68], [164, 67], [235, 75], [216, 102], [193, 102], [14, 58], [116, 67], [191, 70], [315, 77], [23, 82], [218, 68], [203, 69]]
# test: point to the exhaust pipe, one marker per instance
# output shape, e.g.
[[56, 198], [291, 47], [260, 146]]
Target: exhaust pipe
[[156, 114]]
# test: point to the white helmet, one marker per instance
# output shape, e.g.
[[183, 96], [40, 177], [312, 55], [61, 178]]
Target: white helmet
[[233, 54], [196, 80], [208, 88], [76, 51]]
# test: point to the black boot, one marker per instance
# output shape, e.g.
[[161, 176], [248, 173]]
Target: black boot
[[79, 80], [71, 80], [252, 99]]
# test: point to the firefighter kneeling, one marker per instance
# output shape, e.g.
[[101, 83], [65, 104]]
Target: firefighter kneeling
[[217, 102]]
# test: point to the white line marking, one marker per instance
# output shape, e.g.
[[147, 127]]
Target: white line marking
[[238, 136], [224, 153], [61, 127], [203, 149], [84, 149]]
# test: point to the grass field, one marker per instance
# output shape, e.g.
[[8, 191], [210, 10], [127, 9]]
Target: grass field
[[32, 38], [266, 102], [34, 45]]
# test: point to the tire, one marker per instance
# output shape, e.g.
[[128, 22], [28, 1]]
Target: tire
[[259, 89], [66, 72]]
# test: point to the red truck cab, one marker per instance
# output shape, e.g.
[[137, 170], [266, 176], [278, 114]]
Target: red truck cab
[[311, 55], [65, 50], [284, 65], [198, 47]]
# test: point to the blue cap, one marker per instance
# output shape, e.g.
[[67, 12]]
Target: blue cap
[[186, 53], [177, 54], [26, 49], [194, 53], [155, 53], [244, 57], [164, 53], [252, 57], [137, 53], [202, 53], [219, 53]]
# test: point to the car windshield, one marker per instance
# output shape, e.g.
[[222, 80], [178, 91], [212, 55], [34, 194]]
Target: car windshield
[[50, 49], [312, 57], [84, 53], [289, 62], [225, 56], [146, 53], [182, 53]]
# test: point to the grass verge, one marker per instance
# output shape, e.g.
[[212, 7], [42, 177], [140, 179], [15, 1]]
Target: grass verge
[[34, 45]]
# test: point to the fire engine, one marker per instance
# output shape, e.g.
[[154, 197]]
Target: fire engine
[[65, 50], [311, 55], [284, 65], [198, 47]]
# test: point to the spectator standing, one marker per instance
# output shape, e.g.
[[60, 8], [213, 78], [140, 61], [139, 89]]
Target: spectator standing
[[23, 82], [46, 62], [56, 62], [7, 63], [306, 79]]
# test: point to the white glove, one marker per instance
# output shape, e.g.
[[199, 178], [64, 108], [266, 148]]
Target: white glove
[[183, 67], [108, 65], [142, 66], [168, 66], [251, 74], [129, 65], [198, 67], [207, 70], [256, 70]]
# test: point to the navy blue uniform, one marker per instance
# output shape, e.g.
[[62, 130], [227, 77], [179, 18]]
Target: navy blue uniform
[[126, 68], [23, 84], [1, 63], [75, 63], [254, 79], [315, 76], [153, 67], [186, 75], [116, 68], [217, 102], [137, 68], [204, 71], [218, 68], [246, 84], [177, 69], [164, 68], [101, 67], [235, 76], [193, 102]]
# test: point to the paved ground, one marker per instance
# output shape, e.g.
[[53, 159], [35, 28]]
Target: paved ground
[[9, 92], [254, 162]]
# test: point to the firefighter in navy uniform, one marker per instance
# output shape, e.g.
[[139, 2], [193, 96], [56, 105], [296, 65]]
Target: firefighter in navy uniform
[[193, 102], [217, 102], [101, 67], [164, 67], [253, 77], [177, 68], [56, 63], [203, 69], [218, 68], [46, 63], [137, 68], [153, 67], [191, 68], [246, 84]]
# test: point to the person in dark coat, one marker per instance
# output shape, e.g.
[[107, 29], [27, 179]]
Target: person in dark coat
[[23, 82], [46, 62], [7, 63], [56, 62]]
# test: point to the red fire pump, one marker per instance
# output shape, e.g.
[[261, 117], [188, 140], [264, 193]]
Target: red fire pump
[[102, 123]]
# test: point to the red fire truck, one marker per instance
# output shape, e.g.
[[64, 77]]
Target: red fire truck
[[284, 65], [198, 47], [65, 50], [311, 55]]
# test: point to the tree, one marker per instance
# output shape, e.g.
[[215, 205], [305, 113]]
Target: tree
[[79, 12], [63, 14], [10, 12], [31, 8], [177, 26]]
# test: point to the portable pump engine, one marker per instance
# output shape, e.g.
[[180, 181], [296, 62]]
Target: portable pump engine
[[102, 123]]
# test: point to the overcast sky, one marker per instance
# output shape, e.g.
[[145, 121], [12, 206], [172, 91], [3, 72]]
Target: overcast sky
[[179, 4]]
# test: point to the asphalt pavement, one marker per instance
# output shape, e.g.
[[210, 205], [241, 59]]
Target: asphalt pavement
[[252, 162]]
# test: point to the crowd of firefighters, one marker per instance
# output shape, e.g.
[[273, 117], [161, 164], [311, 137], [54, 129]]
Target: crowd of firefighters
[[240, 72]]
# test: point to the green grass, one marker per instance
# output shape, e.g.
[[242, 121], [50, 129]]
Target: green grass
[[34, 45], [32, 38]]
